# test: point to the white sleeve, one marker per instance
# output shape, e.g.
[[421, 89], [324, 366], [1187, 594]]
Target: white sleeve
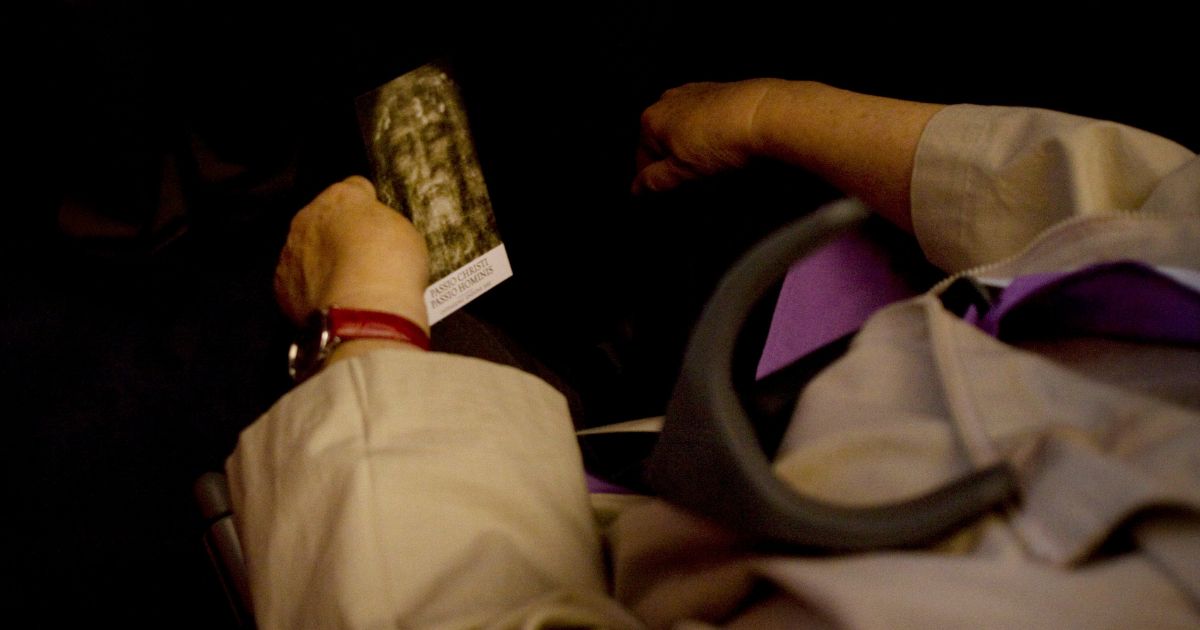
[[413, 489], [987, 180]]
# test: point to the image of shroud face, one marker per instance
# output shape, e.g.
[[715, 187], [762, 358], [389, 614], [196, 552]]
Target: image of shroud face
[[425, 165]]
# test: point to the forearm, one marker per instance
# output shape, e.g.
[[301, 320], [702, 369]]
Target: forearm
[[862, 144]]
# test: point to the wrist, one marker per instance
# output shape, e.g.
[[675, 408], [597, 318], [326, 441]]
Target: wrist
[[785, 114], [762, 116], [409, 304], [340, 332]]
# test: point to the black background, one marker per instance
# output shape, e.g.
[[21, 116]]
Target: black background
[[131, 363]]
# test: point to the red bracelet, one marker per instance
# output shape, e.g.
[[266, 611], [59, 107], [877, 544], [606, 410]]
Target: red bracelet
[[329, 328], [346, 324]]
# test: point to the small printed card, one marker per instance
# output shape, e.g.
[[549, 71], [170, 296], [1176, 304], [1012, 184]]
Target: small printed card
[[424, 165]]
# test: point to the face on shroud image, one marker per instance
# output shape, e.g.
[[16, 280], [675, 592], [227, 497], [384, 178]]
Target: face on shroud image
[[427, 169]]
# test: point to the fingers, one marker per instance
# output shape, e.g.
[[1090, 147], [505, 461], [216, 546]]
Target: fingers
[[347, 248], [289, 286], [695, 130], [645, 158], [655, 172], [314, 243], [660, 176]]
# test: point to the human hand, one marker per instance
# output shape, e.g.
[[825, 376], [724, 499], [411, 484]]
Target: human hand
[[699, 129], [862, 144], [345, 248]]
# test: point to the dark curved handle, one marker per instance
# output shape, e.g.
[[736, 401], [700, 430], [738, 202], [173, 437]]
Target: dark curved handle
[[708, 458]]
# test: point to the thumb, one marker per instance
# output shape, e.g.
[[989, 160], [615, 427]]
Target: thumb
[[661, 176]]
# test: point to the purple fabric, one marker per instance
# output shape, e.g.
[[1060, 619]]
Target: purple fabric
[[831, 292], [1125, 299], [827, 295], [596, 485]]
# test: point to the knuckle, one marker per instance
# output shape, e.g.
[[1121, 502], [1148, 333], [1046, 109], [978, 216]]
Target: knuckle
[[647, 119], [361, 183], [341, 193]]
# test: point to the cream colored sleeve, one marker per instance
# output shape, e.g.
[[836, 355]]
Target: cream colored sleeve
[[987, 180], [404, 489]]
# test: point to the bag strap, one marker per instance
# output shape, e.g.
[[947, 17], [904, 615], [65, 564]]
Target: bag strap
[[709, 460]]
